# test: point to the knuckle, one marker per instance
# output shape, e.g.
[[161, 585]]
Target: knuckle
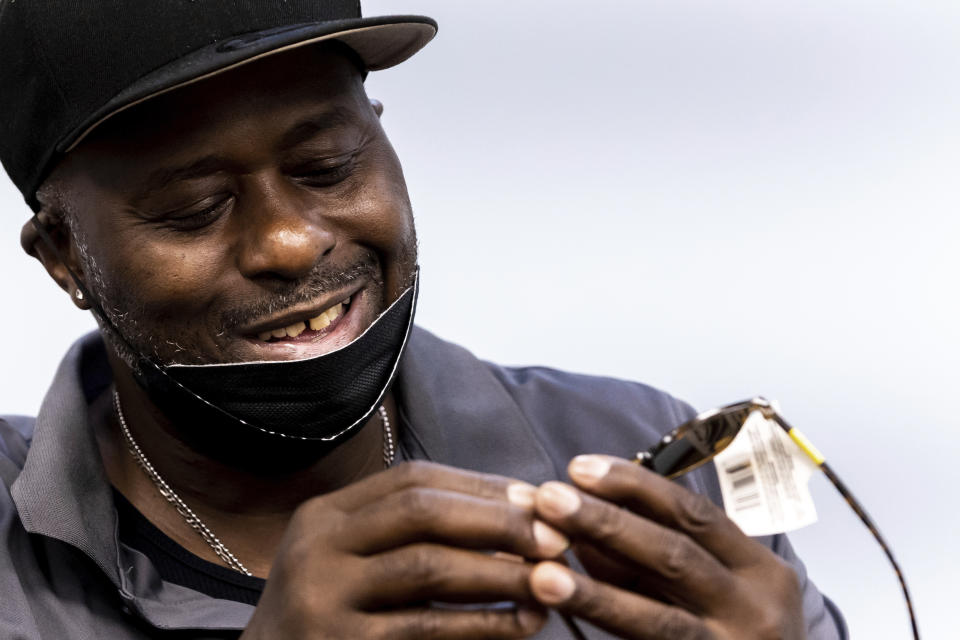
[[417, 505], [787, 582], [413, 473], [308, 512], [781, 579], [365, 626], [303, 604], [679, 625], [591, 602], [768, 625], [786, 573], [499, 624], [417, 565], [696, 512], [425, 625], [485, 484], [608, 524], [677, 555]]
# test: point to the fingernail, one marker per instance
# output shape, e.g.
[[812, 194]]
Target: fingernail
[[551, 583], [550, 542], [589, 467], [558, 499], [522, 494]]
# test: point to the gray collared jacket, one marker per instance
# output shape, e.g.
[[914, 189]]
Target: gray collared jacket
[[64, 573]]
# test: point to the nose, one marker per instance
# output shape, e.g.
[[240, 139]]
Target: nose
[[282, 236]]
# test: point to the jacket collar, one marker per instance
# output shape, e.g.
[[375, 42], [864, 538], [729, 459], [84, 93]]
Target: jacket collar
[[63, 492]]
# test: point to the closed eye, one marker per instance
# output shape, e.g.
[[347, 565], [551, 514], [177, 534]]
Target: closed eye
[[197, 215], [325, 173]]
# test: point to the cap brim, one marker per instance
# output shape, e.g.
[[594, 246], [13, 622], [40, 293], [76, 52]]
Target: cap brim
[[380, 42]]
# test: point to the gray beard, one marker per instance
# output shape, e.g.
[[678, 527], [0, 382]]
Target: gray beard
[[142, 337]]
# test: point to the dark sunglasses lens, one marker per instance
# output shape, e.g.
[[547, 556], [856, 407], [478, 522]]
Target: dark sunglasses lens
[[698, 442]]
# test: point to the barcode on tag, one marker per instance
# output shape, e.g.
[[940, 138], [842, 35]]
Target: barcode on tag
[[763, 479], [743, 479]]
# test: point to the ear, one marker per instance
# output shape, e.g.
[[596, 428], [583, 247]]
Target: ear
[[53, 261], [377, 106]]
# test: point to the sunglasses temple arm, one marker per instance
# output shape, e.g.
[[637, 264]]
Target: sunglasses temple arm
[[834, 479], [862, 514]]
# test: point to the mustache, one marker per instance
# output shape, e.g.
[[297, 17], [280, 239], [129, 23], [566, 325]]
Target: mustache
[[321, 280]]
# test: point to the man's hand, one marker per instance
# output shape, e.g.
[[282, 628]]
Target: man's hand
[[665, 563], [366, 561]]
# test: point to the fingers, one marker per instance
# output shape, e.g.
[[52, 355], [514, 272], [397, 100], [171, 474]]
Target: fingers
[[666, 502], [432, 515], [427, 474], [443, 624], [624, 614], [426, 572], [398, 539], [683, 570]]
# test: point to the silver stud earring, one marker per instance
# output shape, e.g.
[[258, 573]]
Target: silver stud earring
[[78, 294]]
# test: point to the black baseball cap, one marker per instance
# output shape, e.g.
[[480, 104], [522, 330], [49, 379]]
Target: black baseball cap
[[67, 66]]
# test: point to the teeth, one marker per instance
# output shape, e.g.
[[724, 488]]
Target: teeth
[[323, 320], [316, 324], [296, 329], [292, 332], [320, 322], [346, 301]]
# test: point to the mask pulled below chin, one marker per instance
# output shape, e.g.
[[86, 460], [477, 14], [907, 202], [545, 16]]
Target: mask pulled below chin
[[324, 398]]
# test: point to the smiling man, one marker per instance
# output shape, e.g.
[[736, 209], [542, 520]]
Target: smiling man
[[258, 442]]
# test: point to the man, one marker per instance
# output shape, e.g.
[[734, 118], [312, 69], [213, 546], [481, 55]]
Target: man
[[258, 442]]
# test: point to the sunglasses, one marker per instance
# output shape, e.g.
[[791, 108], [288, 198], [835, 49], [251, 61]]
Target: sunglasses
[[698, 441]]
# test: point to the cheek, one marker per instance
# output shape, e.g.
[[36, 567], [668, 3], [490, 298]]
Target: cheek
[[163, 277], [380, 214], [171, 282]]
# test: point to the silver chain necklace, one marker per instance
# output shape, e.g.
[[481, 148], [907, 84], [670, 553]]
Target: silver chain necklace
[[192, 519]]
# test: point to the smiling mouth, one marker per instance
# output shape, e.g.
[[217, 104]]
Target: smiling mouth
[[309, 329]]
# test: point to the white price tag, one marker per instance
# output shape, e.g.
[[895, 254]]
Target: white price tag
[[764, 479]]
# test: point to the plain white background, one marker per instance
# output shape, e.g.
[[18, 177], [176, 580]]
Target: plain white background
[[717, 198]]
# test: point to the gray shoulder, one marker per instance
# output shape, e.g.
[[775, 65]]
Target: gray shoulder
[[581, 413], [568, 413], [16, 432], [574, 413]]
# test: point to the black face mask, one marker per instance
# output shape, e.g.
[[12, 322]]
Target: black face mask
[[324, 398]]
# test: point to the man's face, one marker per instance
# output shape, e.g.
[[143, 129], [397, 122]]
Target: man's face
[[225, 221]]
